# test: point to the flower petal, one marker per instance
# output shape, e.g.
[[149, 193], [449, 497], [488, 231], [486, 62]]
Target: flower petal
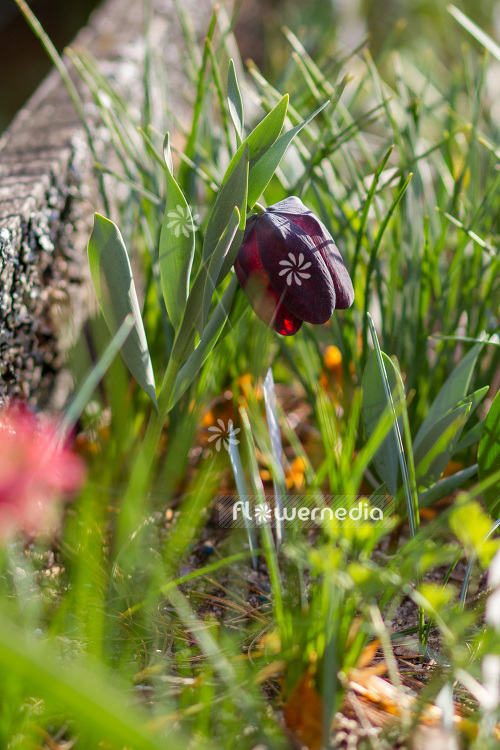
[[291, 205], [330, 254], [294, 209], [256, 285], [276, 238]]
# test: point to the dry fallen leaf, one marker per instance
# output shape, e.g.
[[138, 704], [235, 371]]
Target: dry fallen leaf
[[368, 654], [304, 712], [391, 700]]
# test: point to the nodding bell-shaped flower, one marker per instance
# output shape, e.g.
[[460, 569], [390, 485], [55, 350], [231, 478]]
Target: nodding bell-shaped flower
[[290, 268]]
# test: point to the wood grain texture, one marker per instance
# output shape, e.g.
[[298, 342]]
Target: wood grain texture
[[47, 195]]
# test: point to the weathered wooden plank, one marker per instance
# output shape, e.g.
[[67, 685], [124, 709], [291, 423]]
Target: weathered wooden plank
[[44, 162]]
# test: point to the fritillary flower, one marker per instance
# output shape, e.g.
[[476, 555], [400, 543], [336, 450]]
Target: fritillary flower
[[290, 268]]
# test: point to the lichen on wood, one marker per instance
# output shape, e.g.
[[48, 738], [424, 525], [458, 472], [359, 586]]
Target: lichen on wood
[[44, 163]]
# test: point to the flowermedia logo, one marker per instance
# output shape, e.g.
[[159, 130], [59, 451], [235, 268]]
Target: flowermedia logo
[[301, 510]]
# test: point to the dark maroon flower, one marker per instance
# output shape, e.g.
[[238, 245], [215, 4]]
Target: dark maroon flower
[[291, 269]]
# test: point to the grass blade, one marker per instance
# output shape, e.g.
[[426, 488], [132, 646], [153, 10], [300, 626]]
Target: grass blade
[[235, 102], [277, 450], [410, 493], [474, 30], [241, 486], [87, 388]]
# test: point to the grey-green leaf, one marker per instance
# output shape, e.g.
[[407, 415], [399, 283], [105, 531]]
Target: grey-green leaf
[[262, 137], [451, 394], [177, 244], [446, 486], [207, 342], [200, 296], [115, 289], [474, 399], [232, 193], [262, 170], [374, 406], [434, 453], [473, 436], [223, 255], [235, 102]]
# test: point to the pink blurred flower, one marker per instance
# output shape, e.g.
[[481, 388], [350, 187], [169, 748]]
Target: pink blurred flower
[[34, 472]]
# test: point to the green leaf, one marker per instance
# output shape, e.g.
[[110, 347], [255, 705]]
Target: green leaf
[[176, 245], [262, 171], [472, 527], [262, 137], [451, 394], [474, 399], [374, 407], [200, 296], [238, 309], [434, 453], [235, 102], [207, 342], [232, 193], [473, 436], [446, 486], [488, 457], [223, 256], [115, 289]]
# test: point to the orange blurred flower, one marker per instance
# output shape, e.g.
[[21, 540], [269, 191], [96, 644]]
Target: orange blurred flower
[[34, 472], [333, 360], [295, 474], [248, 388]]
